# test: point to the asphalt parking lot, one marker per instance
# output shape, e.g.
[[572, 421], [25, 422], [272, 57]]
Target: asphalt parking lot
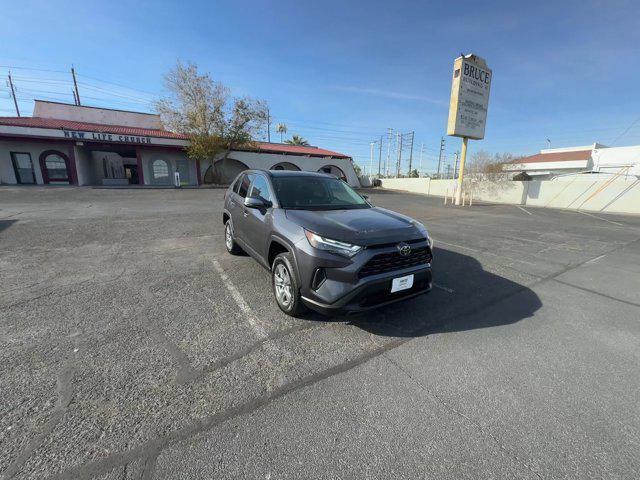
[[132, 346]]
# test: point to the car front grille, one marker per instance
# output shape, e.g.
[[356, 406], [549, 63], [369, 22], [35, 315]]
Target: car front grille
[[391, 261]]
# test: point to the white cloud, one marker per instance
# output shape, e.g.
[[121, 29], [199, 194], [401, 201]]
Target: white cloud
[[390, 94]]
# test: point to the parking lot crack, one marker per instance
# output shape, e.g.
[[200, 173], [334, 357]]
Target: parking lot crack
[[64, 391], [594, 292]]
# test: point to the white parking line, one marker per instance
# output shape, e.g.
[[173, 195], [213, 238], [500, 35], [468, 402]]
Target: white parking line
[[525, 211], [593, 260], [600, 218], [442, 287], [255, 323]]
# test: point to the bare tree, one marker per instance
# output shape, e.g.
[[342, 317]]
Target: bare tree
[[203, 109], [485, 172], [484, 162]]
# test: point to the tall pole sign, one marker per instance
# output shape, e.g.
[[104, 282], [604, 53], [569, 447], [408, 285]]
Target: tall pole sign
[[469, 103]]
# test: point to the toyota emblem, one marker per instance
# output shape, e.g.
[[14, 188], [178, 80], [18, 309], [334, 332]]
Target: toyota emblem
[[404, 249]]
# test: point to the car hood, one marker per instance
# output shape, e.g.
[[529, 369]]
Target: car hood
[[362, 226]]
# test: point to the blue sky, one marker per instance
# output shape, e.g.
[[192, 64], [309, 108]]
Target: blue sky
[[339, 73]]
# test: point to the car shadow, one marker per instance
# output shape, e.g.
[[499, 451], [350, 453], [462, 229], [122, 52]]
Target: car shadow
[[4, 224], [464, 297]]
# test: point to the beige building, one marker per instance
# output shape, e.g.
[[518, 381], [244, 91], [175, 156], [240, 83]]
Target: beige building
[[67, 144]]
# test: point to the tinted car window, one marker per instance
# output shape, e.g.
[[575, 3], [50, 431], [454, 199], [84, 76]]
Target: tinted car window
[[260, 189], [316, 193], [245, 181]]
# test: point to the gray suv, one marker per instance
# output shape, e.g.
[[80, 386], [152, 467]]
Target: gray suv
[[326, 246]]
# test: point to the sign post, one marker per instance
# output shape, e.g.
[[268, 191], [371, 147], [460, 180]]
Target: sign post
[[468, 106]]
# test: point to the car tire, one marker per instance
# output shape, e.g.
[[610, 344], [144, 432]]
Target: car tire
[[229, 242], [283, 276]]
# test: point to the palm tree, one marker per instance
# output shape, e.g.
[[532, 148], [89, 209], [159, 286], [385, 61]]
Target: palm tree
[[297, 140], [281, 128]]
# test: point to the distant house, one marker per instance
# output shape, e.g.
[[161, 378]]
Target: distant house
[[67, 144], [596, 158]]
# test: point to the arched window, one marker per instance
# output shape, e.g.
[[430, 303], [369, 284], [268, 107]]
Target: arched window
[[160, 172], [284, 166], [55, 167], [333, 170]]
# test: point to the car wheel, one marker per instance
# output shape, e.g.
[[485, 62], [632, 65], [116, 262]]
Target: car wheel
[[285, 286], [229, 242]]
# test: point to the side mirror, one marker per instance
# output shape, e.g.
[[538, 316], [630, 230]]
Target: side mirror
[[258, 203], [366, 197]]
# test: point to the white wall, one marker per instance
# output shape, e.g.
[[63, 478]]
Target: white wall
[[621, 195], [7, 174], [103, 116], [502, 192], [604, 158], [87, 174], [171, 157], [311, 164]]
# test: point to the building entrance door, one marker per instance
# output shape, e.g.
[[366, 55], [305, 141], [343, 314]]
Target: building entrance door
[[131, 172], [183, 169]]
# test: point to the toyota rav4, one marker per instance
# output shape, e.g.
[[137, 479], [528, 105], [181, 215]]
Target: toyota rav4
[[326, 246]]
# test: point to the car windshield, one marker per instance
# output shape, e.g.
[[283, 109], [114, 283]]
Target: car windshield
[[316, 193]]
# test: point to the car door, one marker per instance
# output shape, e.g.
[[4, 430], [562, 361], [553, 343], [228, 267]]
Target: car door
[[236, 205], [257, 221]]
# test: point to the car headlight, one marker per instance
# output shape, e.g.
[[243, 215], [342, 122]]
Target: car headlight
[[334, 246]]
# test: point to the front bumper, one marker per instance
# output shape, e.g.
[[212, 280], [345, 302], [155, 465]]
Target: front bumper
[[374, 294], [346, 289]]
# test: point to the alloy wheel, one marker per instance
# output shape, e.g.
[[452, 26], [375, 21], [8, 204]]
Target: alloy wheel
[[228, 236], [282, 282]]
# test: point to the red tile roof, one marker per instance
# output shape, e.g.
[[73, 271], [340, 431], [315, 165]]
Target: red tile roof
[[573, 155], [38, 122], [297, 150]]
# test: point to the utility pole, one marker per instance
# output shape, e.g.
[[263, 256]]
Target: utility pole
[[389, 138], [75, 86], [440, 156], [268, 126], [13, 94], [380, 156], [75, 99], [421, 152], [372, 144], [411, 152], [399, 155], [455, 167]]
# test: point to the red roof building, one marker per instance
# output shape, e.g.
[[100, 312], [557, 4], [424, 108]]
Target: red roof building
[[79, 145]]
